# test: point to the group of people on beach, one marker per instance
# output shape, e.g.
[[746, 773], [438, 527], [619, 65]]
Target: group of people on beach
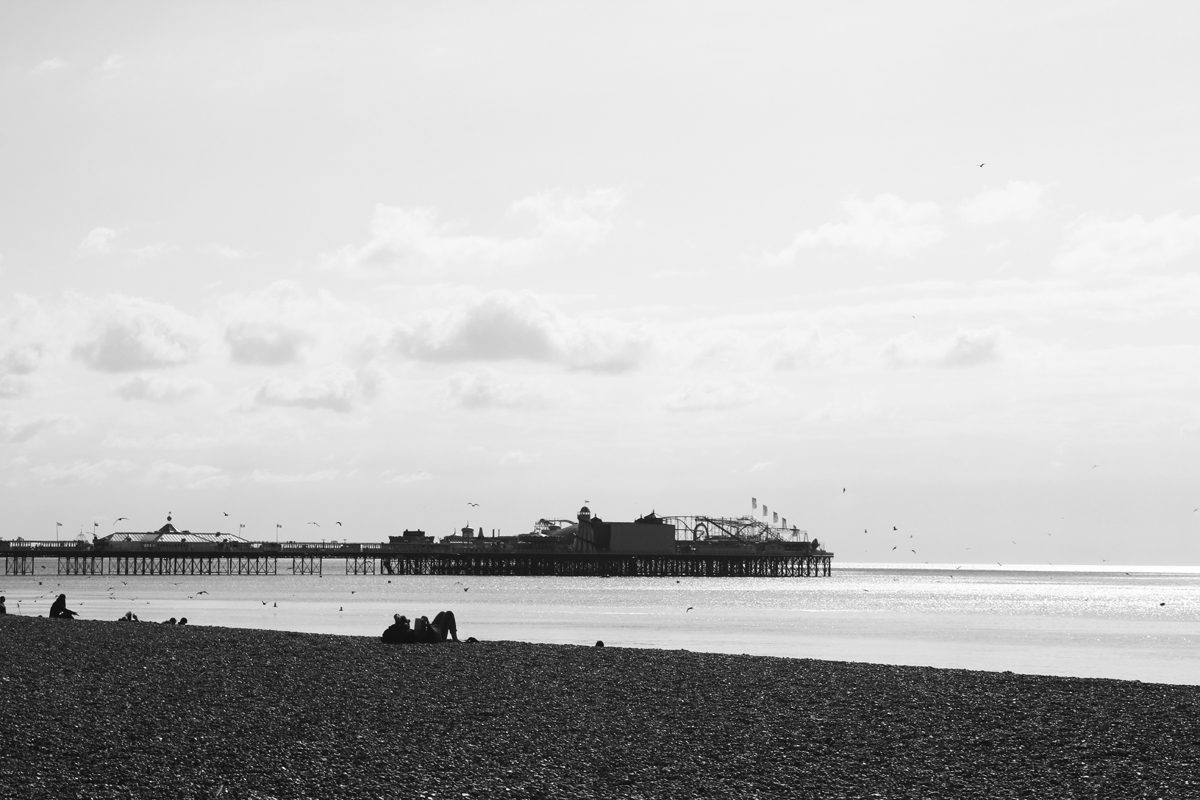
[[442, 627]]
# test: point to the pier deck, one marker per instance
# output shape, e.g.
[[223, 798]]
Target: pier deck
[[268, 558]]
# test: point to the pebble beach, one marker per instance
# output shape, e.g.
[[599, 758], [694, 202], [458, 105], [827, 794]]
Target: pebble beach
[[95, 709]]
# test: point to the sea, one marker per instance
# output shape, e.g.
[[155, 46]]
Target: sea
[[1130, 623]]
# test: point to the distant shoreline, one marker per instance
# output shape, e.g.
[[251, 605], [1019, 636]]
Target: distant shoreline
[[107, 709]]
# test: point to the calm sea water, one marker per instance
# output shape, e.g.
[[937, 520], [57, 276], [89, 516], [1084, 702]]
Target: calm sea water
[[1131, 623]]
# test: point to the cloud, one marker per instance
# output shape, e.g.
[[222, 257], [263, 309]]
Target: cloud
[[967, 348], [1099, 245], [885, 224], [713, 396], [507, 326], [284, 479], [404, 478], [337, 390], [796, 349], [11, 387], [486, 390], [98, 242], [50, 65], [21, 360], [15, 430], [154, 250], [1018, 201], [224, 251], [184, 476], [113, 63], [159, 389], [128, 334], [267, 343], [415, 239], [80, 471]]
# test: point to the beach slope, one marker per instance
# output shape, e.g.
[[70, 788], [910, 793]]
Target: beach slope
[[107, 710]]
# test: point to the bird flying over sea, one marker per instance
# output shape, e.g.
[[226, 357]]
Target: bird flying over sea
[[337, 523], [472, 504], [315, 523], [118, 519], [226, 513], [981, 164]]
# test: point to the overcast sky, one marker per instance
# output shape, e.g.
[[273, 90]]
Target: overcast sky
[[931, 266]]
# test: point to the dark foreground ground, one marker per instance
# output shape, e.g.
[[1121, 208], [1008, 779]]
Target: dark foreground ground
[[106, 709]]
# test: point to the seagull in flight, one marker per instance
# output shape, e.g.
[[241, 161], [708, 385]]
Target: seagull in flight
[[472, 504], [981, 164], [338, 523], [118, 519], [315, 523], [226, 513]]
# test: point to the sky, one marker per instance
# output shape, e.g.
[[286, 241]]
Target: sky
[[922, 278]]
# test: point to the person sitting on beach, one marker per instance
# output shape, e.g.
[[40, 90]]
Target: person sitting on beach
[[3, 610], [129, 617], [443, 626], [59, 610], [183, 620], [170, 621]]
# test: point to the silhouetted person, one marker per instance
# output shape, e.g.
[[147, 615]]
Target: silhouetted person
[[170, 621], [3, 609], [129, 617], [183, 620], [399, 632], [59, 610], [442, 627]]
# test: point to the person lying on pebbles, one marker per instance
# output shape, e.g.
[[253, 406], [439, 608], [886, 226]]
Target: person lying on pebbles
[[442, 627]]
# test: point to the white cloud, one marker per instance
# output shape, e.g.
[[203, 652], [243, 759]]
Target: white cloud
[[262, 342], [159, 389], [11, 387], [112, 63], [1099, 245], [966, 348], [505, 326], [224, 251], [15, 430], [185, 476], [414, 239], [149, 252], [283, 479], [337, 389], [128, 334], [404, 478], [713, 396], [50, 65], [885, 224], [1018, 201], [21, 359], [487, 390], [98, 242], [80, 471]]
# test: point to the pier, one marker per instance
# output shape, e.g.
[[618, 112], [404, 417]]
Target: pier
[[304, 558]]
